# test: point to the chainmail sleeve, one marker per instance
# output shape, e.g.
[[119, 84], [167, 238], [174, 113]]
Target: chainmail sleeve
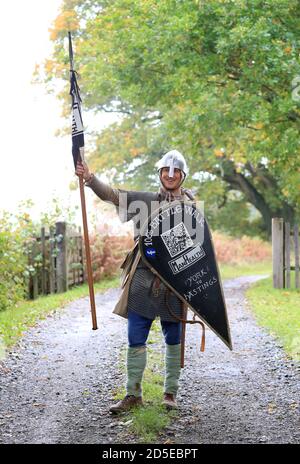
[[103, 191]]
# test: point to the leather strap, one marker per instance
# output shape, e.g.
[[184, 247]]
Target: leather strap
[[186, 321], [155, 286], [155, 291]]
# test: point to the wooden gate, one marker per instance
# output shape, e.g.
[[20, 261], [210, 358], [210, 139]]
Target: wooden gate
[[285, 251], [57, 257]]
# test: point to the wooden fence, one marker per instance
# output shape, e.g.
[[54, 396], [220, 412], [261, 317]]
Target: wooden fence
[[285, 251], [57, 257]]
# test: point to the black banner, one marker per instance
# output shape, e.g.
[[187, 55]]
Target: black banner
[[176, 244], [77, 124]]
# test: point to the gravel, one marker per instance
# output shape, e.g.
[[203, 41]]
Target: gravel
[[57, 384]]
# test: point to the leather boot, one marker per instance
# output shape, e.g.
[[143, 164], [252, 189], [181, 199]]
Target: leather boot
[[170, 401], [126, 404]]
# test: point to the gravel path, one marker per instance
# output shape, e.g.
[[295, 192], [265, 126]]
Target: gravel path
[[57, 384]]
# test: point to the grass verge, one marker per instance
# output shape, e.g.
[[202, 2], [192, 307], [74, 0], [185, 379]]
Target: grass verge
[[16, 320], [146, 423], [278, 311], [231, 271]]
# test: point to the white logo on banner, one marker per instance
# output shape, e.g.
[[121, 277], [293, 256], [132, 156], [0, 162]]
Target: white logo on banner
[[187, 259], [77, 127]]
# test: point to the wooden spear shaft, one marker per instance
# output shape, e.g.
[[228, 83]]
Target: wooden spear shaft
[[82, 196], [88, 254], [183, 328]]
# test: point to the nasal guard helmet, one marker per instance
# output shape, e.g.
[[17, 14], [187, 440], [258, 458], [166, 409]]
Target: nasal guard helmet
[[173, 159]]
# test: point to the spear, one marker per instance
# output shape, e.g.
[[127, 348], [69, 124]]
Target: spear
[[78, 156]]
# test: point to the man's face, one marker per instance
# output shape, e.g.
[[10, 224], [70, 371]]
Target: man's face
[[170, 183]]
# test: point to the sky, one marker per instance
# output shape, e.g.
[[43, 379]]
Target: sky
[[35, 163]]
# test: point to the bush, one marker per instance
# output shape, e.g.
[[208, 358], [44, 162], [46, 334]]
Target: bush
[[17, 236], [107, 253], [234, 251], [13, 263]]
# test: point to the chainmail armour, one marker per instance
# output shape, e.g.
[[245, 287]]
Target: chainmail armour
[[141, 299]]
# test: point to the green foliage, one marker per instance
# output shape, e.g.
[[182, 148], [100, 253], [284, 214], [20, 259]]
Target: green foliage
[[18, 258], [15, 241], [232, 271], [56, 211], [234, 218], [212, 79], [12, 266]]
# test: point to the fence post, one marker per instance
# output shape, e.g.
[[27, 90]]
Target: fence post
[[43, 251], [287, 248], [61, 259], [51, 261], [277, 252], [33, 281]]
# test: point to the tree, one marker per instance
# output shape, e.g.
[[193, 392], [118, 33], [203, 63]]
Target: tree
[[212, 79]]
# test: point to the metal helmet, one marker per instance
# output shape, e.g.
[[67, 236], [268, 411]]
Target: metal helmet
[[173, 159]]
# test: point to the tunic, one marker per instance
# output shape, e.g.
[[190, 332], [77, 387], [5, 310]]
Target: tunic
[[141, 298]]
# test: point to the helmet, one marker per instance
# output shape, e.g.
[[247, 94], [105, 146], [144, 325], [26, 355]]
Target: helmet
[[173, 159]]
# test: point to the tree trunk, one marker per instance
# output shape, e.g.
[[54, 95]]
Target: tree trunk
[[238, 181]]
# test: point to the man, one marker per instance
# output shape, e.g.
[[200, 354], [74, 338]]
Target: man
[[145, 298]]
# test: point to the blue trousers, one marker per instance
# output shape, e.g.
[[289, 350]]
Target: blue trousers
[[139, 328]]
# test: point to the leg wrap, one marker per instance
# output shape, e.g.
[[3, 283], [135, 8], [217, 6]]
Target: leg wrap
[[173, 368], [136, 363]]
